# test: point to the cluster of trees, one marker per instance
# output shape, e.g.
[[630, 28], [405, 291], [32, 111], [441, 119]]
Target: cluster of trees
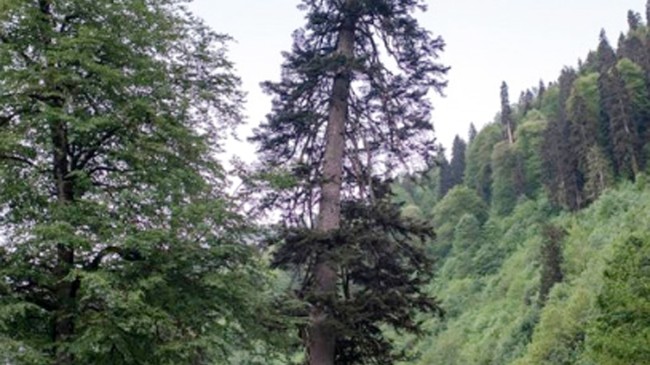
[[540, 246]]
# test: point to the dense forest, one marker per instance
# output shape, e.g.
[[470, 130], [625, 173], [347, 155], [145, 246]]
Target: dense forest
[[354, 239], [542, 248]]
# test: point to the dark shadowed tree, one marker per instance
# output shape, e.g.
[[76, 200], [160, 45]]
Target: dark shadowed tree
[[457, 164], [445, 175], [633, 20], [551, 258], [506, 115], [541, 90], [561, 175], [623, 129], [472, 133], [343, 123], [606, 54]]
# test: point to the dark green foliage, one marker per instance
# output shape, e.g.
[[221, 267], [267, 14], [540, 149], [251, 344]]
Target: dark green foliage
[[551, 254], [446, 175], [472, 133], [633, 20], [561, 176], [457, 165], [623, 129], [606, 54], [541, 90], [386, 126], [383, 266], [507, 123]]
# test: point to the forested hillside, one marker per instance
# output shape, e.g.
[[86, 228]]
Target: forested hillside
[[353, 239], [542, 222]]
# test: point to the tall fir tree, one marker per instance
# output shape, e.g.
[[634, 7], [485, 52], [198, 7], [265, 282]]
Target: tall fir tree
[[341, 146], [623, 129], [561, 175], [606, 59], [541, 90], [120, 245], [457, 164], [507, 122], [471, 135], [606, 54], [446, 176], [633, 20]]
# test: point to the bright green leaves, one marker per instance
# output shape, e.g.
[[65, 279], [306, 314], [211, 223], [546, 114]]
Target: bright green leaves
[[621, 331], [121, 247]]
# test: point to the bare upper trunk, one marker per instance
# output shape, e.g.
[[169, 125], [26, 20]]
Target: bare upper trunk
[[322, 337]]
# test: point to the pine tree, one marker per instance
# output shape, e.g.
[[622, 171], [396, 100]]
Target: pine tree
[[633, 20], [341, 146], [623, 129], [551, 254], [446, 182], [606, 54], [606, 59], [120, 247], [506, 114], [561, 175], [457, 164], [541, 89], [583, 130], [526, 102], [472, 133]]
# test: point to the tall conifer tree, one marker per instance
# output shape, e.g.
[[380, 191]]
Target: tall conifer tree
[[342, 124], [506, 114], [457, 164], [623, 129], [561, 176], [472, 133]]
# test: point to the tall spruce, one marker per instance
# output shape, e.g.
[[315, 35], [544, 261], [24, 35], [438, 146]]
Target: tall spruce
[[457, 165], [606, 59], [606, 54], [623, 129], [633, 20], [506, 115], [541, 90], [471, 135], [342, 124], [561, 175], [118, 246], [446, 175]]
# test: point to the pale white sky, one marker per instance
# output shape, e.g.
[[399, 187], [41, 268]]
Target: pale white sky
[[488, 41]]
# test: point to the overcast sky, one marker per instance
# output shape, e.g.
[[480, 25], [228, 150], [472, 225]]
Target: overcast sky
[[488, 41]]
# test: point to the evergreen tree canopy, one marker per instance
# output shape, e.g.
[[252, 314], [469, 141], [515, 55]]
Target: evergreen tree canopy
[[457, 164], [343, 123]]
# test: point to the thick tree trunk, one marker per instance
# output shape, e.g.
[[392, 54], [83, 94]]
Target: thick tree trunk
[[66, 288], [322, 337]]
